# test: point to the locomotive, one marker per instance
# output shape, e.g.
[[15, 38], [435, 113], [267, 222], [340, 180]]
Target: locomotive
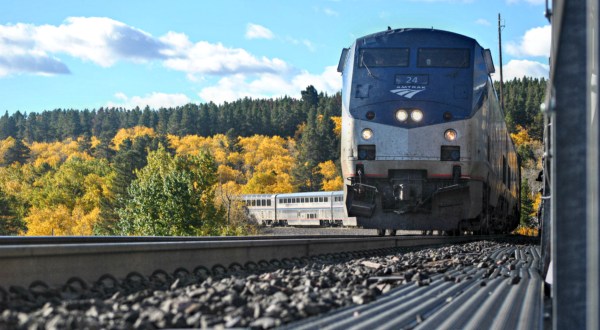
[[424, 142]]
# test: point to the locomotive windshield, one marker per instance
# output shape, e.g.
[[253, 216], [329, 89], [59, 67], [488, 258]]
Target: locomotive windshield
[[374, 57], [443, 57]]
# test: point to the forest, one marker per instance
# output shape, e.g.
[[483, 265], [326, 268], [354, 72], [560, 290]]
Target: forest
[[177, 171]]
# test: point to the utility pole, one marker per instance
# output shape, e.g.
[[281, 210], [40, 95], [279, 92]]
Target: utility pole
[[500, 27]]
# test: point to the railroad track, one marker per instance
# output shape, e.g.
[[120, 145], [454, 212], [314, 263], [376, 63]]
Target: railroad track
[[55, 260], [309, 282]]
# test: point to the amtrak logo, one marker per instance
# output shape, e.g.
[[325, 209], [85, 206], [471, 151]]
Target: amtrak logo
[[407, 91]]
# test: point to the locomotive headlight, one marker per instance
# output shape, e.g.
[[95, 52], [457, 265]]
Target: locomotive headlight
[[367, 133], [416, 115], [450, 135], [401, 115]]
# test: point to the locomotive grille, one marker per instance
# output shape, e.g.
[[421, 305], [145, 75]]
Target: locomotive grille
[[450, 153], [366, 152]]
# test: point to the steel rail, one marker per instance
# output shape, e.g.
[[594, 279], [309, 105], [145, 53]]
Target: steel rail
[[54, 264], [35, 240]]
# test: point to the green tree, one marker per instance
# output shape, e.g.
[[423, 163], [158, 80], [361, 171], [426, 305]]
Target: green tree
[[17, 153], [8, 127], [526, 204], [10, 221], [131, 157], [173, 196]]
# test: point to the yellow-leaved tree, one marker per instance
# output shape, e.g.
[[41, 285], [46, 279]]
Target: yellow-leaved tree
[[55, 153], [332, 180], [66, 200], [267, 163], [337, 121], [131, 134]]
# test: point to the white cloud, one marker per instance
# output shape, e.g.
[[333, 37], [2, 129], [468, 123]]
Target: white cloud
[[520, 68], [309, 45], [19, 54], [215, 59], [535, 42], [101, 40], [304, 42], [270, 85], [27, 48], [330, 12], [255, 31], [483, 21], [154, 101]]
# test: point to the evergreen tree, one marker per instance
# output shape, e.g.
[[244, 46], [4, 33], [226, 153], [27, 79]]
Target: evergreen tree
[[19, 120], [189, 117], [17, 153], [162, 126], [174, 125], [29, 134], [147, 119], [10, 222], [104, 150], [310, 96], [85, 144], [8, 127], [526, 204], [306, 176], [85, 122]]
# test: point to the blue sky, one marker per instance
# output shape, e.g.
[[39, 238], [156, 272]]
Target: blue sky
[[85, 54]]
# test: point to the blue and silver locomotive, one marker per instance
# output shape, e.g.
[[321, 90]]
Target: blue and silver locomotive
[[424, 141]]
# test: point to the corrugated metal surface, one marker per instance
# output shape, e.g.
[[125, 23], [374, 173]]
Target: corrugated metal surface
[[507, 297]]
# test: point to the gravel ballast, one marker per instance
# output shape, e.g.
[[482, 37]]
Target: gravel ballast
[[259, 298]]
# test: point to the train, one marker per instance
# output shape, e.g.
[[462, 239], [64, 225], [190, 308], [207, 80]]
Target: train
[[424, 143], [302, 209]]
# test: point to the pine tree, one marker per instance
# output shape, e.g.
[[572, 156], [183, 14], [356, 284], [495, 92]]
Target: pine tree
[[526, 204], [17, 153], [306, 175], [8, 127], [10, 222]]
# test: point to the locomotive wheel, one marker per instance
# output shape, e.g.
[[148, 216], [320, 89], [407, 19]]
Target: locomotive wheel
[[392, 232], [380, 232]]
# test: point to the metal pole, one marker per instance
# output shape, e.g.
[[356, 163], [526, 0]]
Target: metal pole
[[593, 226], [500, 26]]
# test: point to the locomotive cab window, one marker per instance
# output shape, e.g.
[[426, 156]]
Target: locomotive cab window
[[376, 57], [443, 58]]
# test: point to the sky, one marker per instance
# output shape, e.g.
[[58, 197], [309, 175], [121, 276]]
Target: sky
[[84, 54]]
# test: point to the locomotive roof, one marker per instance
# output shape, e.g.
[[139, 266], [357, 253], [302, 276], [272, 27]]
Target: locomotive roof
[[411, 30]]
